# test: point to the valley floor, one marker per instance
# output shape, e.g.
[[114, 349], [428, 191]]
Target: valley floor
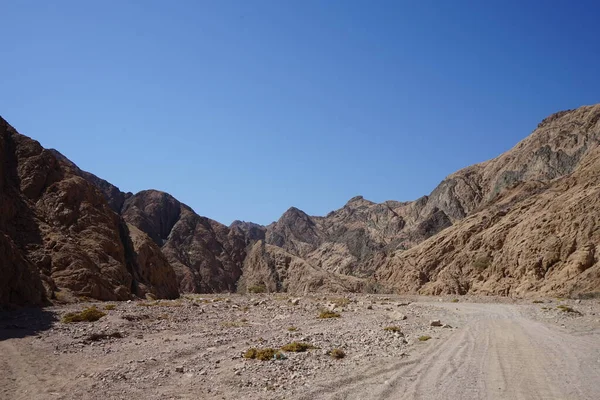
[[192, 348]]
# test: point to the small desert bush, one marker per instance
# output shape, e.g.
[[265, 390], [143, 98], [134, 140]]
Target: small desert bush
[[482, 263], [394, 329], [109, 307], [588, 295], [292, 329], [329, 314], [89, 314], [260, 288], [567, 309], [337, 354], [297, 347], [538, 301], [454, 300], [424, 338], [340, 302], [264, 354]]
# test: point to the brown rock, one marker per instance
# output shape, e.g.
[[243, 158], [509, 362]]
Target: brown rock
[[207, 256]]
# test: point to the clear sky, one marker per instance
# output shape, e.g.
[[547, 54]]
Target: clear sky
[[242, 109]]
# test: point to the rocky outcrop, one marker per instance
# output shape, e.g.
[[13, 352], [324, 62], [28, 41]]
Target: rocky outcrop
[[251, 231], [112, 194], [57, 229], [20, 283], [534, 238], [152, 272], [207, 256], [365, 239], [520, 223], [355, 239], [275, 270], [536, 229]]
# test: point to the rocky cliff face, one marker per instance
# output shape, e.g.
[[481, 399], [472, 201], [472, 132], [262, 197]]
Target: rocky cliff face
[[57, 230], [536, 228], [207, 256], [523, 222], [365, 239]]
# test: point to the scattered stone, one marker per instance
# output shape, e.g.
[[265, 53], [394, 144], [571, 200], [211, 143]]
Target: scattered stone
[[435, 322]]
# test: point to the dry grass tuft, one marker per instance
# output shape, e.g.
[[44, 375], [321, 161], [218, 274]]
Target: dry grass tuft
[[265, 354], [340, 301], [89, 314], [338, 354], [260, 288], [424, 338], [567, 309], [329, 314], [298, 347]]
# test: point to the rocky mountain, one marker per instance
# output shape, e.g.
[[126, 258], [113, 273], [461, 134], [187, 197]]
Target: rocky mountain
[[523, 222], [59, 235], [207, 256], [535, 228], [430, 245]]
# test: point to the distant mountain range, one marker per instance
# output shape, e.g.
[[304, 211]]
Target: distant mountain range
[[526, 222]]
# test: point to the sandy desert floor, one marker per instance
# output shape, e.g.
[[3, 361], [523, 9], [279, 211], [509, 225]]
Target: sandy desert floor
[[192, 348]]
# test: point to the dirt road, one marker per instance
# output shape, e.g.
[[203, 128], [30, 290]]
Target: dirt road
[[498, 354], [192, 349]]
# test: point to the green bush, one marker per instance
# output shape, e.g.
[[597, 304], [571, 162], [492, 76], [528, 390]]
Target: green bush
[[329, 314], [265, 354], [297, 347], [424, 338], [260, 288], [89, 314], [394, 329]]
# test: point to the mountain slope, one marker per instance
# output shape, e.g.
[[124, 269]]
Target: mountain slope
[[535, 237], [207, 256], [525, 221], [57, 231], [364, 238]]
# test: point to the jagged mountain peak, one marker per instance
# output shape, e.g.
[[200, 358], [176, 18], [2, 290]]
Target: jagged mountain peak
[[526, 220]]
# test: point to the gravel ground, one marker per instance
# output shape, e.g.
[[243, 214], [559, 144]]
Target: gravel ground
[[193, 347]]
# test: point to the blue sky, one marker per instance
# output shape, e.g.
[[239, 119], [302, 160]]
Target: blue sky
[[242, 109]]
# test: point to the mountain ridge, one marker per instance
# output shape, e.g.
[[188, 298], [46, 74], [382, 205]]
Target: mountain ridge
[[149, 243]]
